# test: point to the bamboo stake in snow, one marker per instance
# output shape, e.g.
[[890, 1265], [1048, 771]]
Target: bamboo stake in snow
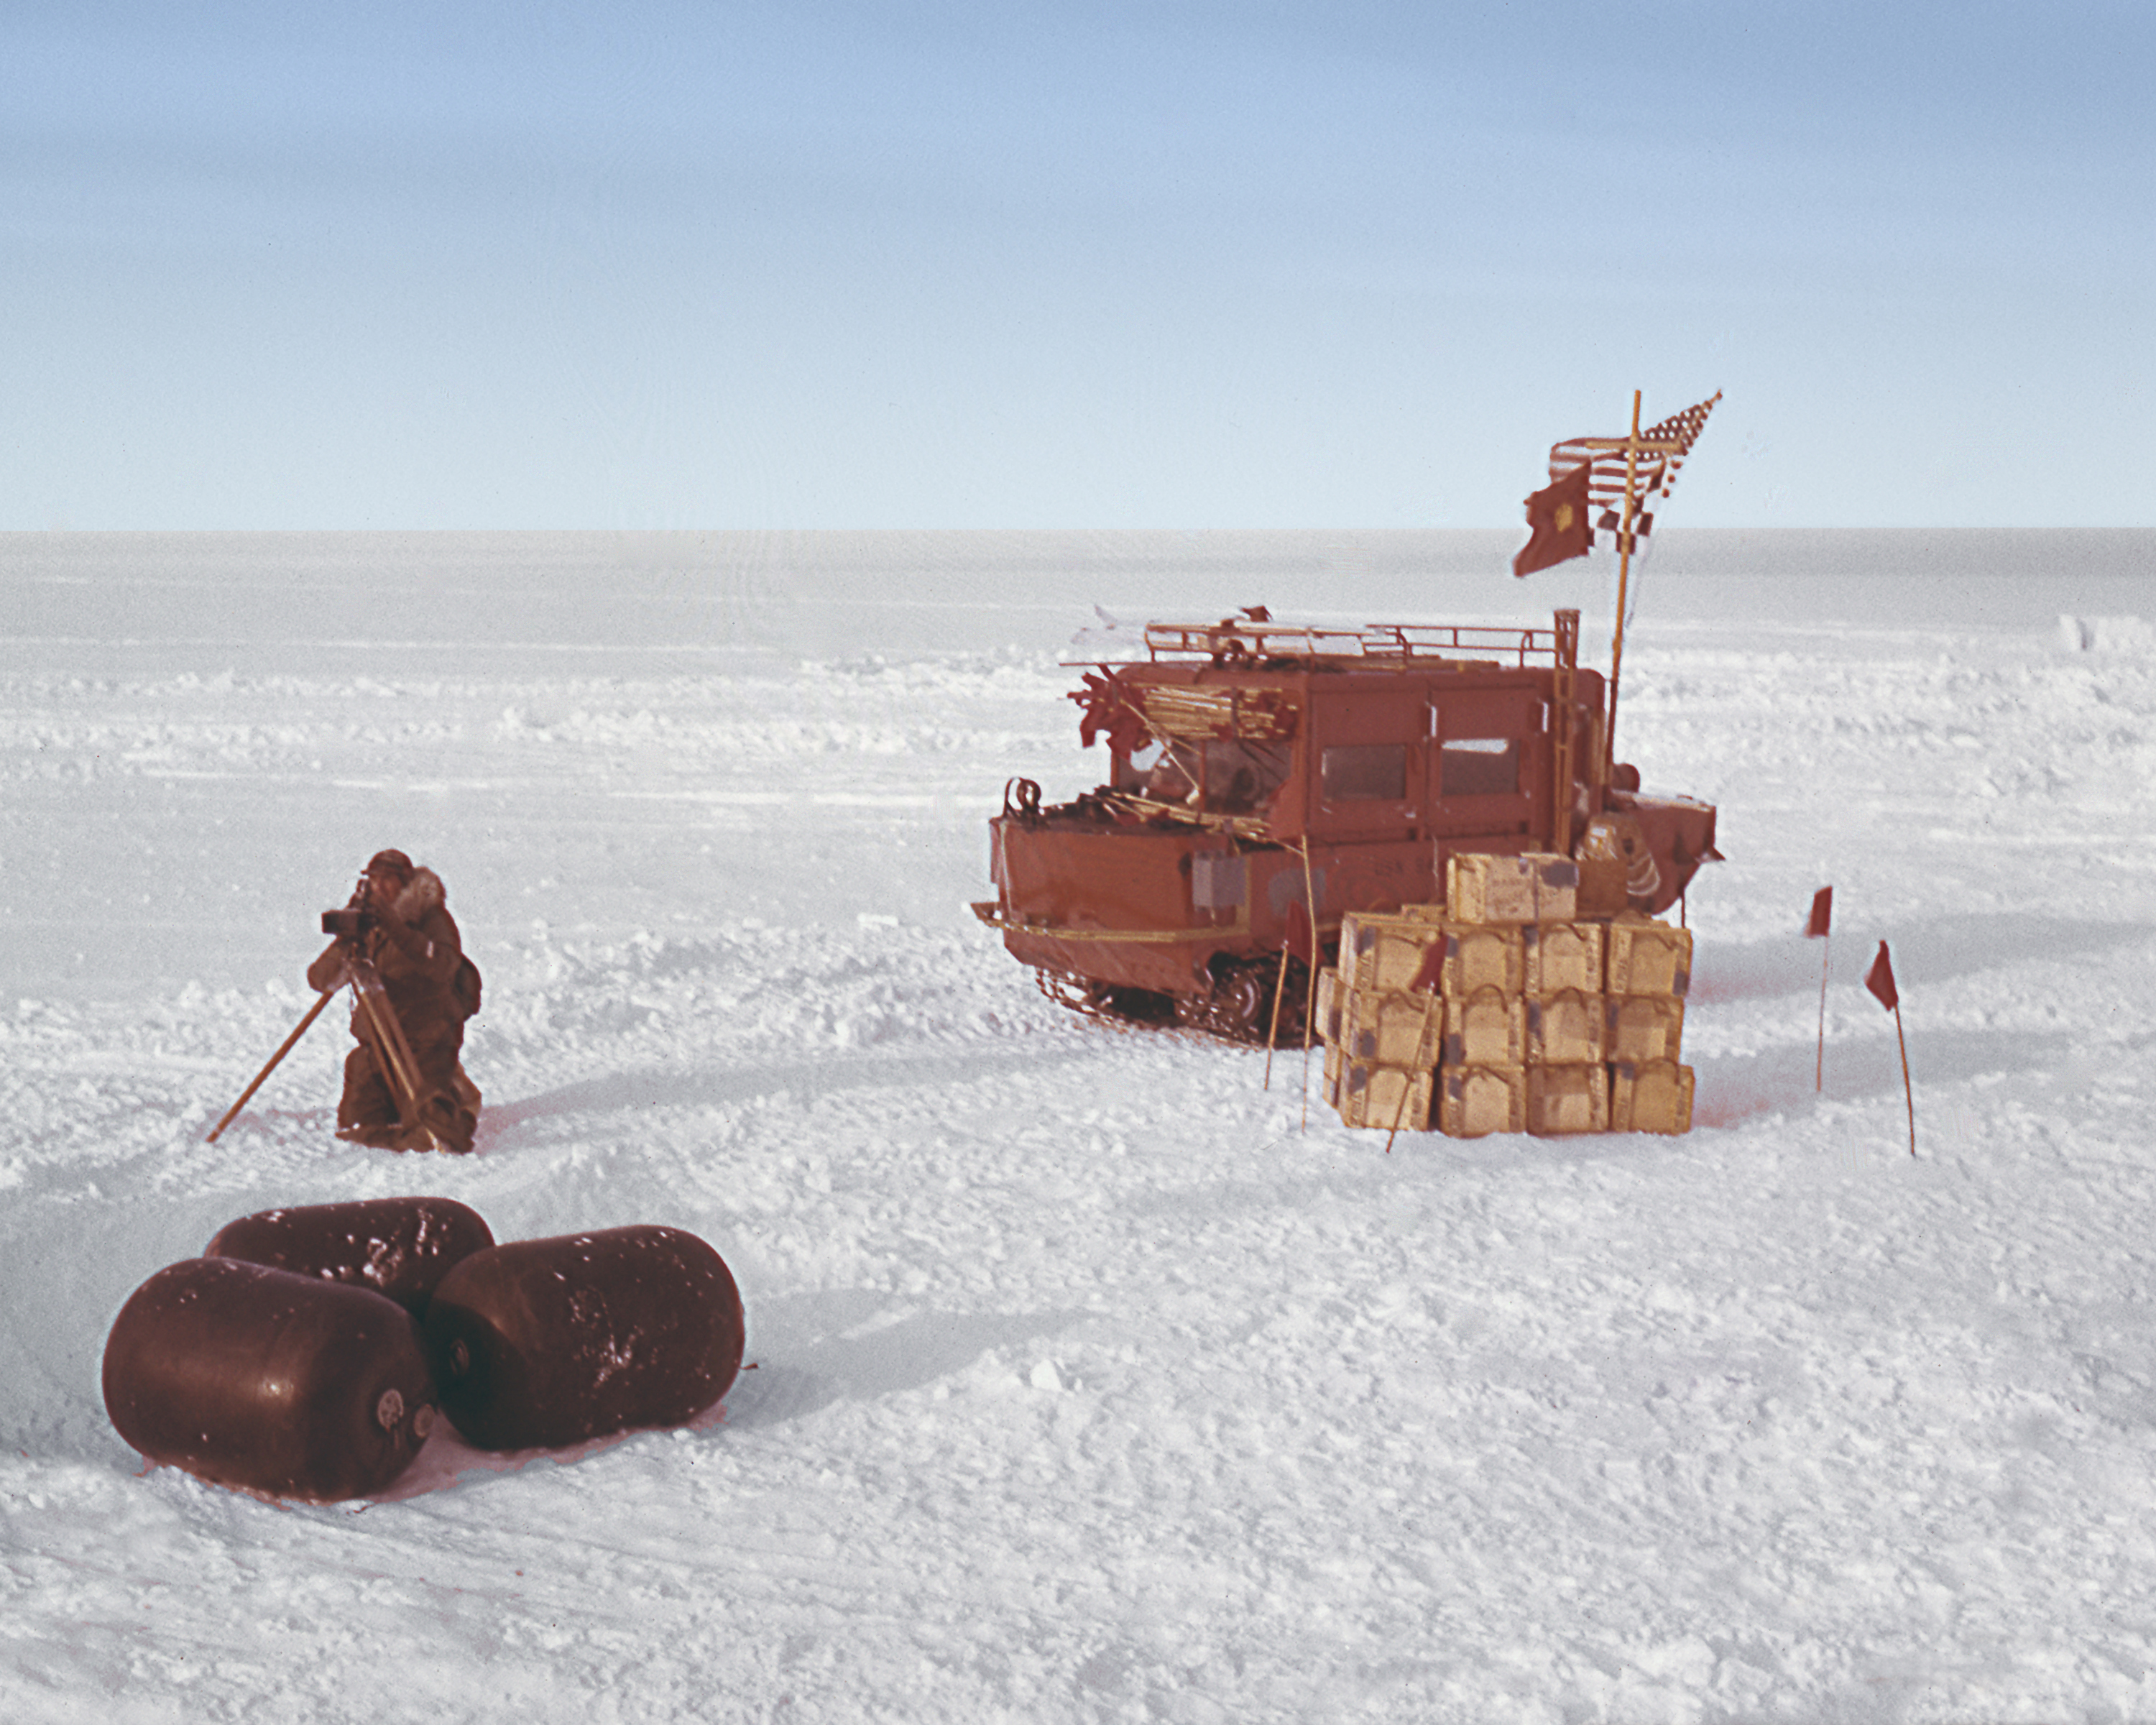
[[1819, 928], [1272, 1032], [1908, 1091], [1414, 1070], [1880, 980]]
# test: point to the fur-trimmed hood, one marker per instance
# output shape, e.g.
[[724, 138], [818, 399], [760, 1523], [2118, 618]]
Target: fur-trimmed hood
[[423, 893]]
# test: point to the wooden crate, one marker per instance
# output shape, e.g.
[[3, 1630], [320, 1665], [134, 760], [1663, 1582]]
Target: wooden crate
[[1482, 956], [1383, 953], [1649, 1097], [1538, 887], [1649, 958], [1644, 1027], [1371, 1096], [1566, 1029], [1399, 1030], [1488, 1028], [1474, 1102], [1561, 955], [1568, 1099]]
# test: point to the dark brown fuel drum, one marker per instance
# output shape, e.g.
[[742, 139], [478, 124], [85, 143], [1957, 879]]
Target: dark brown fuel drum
[[544, 1342], [253, 1376], [398, 1246]]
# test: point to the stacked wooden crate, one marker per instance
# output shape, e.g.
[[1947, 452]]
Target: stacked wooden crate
[[1650, 970], [1508, 1009], [1380, 1022]]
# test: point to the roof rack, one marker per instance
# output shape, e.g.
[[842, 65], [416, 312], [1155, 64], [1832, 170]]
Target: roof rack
[[1236, 640]]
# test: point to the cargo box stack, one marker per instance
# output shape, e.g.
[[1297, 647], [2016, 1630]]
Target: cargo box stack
[[1510, 1007], [1650, 971], [1379, 1029], [1536, 1081]]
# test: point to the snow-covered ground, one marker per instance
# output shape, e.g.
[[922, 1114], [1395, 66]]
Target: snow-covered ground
[[1089, 1381]]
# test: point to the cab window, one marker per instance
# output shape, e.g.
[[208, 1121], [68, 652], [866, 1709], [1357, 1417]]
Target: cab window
[[1220, 777], [1241, 777], [1479, 767], [1364, 773]]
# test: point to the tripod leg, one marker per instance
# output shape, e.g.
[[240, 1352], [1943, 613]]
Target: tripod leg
[[394, 1051], [299, 1030]]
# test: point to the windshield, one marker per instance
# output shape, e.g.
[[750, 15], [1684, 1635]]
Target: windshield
[[1224, 776]]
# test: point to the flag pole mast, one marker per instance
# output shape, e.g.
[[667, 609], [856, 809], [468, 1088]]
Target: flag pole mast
[[1623, 578]]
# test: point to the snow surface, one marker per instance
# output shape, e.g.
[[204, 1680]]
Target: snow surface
[[1091, 1381]]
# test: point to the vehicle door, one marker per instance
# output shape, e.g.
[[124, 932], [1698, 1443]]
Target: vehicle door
[[1369, 759], [1489, 762]]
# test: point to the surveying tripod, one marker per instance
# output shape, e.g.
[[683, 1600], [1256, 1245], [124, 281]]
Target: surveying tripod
[[391, 1050]]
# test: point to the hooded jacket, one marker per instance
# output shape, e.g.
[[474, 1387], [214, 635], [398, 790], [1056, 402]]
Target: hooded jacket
[[416, 949]]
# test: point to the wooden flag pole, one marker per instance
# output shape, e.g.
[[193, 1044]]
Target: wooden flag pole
[[1908, 1090], [1623, 581]]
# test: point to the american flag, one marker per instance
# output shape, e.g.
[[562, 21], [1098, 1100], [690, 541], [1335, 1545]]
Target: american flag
[[1662, 450]]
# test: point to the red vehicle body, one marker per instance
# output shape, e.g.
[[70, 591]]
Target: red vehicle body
[[1266, 779]]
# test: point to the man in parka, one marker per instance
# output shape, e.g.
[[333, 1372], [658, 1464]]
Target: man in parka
[[412, 941]]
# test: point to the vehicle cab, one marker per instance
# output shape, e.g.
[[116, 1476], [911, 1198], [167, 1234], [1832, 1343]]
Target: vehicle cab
[[1265, 780]]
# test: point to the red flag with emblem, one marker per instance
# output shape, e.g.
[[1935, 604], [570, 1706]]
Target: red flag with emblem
[[1557, 520]]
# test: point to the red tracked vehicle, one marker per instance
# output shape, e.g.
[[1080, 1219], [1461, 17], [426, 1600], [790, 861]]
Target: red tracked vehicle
[[1266, 778]]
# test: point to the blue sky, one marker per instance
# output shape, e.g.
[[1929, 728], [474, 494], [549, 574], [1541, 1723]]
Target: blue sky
[[955, 265]]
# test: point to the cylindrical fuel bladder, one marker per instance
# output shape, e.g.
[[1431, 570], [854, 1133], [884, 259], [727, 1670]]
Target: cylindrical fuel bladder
[[255, 1377], [543, 1343], [398, 1246]]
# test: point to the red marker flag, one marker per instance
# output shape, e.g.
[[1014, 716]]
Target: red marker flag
[[1822, 920], [1822, 914], [1880, 980]]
